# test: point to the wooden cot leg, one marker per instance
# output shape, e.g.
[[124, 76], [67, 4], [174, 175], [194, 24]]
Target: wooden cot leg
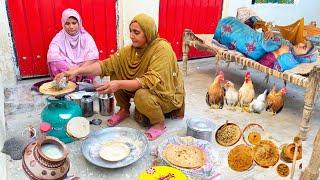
[[185, 50], [218, 68], [309, 98], [311, 172], [266, 79]]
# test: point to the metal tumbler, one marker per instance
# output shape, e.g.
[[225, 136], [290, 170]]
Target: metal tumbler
[[87, 105], [106, 104]]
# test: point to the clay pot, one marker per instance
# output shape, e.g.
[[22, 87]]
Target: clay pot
[[287, 152], [37, 164]]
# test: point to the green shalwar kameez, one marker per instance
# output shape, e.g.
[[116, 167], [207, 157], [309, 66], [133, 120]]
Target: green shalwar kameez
[[155, 67]]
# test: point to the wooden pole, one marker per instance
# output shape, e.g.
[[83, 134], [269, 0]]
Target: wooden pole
[[297, 144], [309, 98], [185, 50]]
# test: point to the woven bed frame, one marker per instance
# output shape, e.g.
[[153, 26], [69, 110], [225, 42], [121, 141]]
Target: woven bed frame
[[310, 83]]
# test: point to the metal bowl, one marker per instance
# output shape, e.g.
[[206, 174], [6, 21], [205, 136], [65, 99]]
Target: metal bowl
[[200, 128], [134, 138]]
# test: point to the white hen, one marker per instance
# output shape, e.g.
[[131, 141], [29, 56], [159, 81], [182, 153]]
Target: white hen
[[259, 104]]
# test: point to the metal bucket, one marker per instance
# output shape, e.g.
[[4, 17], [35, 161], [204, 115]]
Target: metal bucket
[[200, 128], [87, 105], [106, 104]]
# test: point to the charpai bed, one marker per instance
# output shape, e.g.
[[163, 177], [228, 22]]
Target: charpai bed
[[304, 75]]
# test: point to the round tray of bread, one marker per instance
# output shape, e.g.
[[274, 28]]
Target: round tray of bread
[[192, 156], [78, 128], [265, 153], [252, 134], [228, 134], [50, 88], [240, 158], [184, 156]]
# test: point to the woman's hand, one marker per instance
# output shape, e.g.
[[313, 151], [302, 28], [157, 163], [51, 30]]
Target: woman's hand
[[268, 35], [283, 49], [74, 67], [70, 74], [108, 87]]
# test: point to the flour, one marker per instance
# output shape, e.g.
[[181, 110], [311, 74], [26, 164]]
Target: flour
[[135, 146]]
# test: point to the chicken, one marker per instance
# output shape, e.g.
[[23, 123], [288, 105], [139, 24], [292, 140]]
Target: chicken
[[215, 94], [272, 93], [231, 95], [275, 100], [259, 104], [246, 92]]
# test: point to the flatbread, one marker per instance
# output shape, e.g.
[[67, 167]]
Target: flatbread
[[184, 156], [48, 89], [114, 151], [78, 127], [240, 158], [228, 134], [266, 153]]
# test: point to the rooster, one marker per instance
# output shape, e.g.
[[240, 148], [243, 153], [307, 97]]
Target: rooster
[[215, 94], [259, 104], [246, 92], [231, 95], [275, 100]]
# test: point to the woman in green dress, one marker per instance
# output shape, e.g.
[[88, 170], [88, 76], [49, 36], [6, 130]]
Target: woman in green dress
[[145, 70]]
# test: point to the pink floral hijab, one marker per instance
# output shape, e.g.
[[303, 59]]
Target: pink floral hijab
[[73, 49]]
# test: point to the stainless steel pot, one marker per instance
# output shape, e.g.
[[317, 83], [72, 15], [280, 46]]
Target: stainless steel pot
[[106, 104], [200, 128]]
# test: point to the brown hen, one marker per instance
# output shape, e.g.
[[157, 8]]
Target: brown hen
[[215, 94], [275, 100]]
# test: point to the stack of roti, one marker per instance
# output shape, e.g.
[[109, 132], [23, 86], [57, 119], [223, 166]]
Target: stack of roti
[[78, 127], [185, 156], [49, 89], [114, 151]]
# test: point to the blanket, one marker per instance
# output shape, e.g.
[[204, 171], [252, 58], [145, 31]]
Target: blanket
[[236, 35]]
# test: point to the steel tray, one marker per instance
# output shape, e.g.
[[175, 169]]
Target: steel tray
[[134, 138]]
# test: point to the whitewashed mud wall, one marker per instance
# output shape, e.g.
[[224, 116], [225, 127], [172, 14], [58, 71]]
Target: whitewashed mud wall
[[7, 59], [2, 130], [278, 13], [127, 9]]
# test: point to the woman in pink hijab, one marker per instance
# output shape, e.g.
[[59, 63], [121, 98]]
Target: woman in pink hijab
[[72, 47]]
